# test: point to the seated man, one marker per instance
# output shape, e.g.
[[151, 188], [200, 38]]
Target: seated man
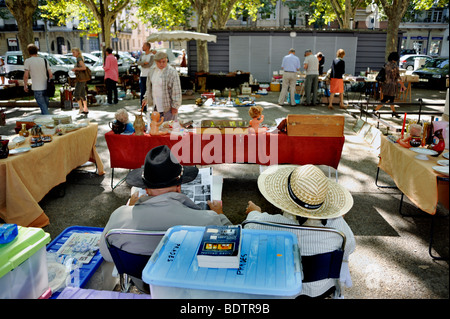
[[164, 207], [307, 197]]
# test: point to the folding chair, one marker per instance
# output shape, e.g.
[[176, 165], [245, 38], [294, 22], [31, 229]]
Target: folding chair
[[127, 262], [320, 266]]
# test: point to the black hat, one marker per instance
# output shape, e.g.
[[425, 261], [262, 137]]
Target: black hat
[[160, 170]]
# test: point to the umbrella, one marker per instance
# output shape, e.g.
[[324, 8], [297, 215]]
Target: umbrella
[[180, 36]]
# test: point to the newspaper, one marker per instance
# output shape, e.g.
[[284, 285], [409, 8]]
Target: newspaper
[[200, 189], [203, 188], [82, 246]]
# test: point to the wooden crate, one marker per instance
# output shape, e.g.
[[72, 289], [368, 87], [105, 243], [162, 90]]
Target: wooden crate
[[315, 125]]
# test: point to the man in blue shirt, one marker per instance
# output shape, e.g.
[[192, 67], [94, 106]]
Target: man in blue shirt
[[290, 66]]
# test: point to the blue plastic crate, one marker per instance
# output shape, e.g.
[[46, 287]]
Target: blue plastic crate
[[87, 270], [270, 267]]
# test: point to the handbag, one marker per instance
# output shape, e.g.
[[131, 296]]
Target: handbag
[[381, 76], [83, 76], [50, 83]]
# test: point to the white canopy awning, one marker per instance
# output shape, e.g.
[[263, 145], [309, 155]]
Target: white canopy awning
[[180, 36]]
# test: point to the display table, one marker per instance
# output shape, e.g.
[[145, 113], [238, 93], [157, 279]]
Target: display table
[[27, 177], [415, 178], [129, 151]]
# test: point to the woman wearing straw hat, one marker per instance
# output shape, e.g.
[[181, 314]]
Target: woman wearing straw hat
[[308, 197]]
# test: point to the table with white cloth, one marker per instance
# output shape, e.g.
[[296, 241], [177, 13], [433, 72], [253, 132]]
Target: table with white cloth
[[25, 178]]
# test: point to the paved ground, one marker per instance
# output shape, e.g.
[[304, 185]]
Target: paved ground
[[391, 260]]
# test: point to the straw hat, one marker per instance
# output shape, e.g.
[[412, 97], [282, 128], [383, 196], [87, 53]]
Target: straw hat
[[304, 191]]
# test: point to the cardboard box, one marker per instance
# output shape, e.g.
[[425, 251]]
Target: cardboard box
[[315, 125], [412, 78]]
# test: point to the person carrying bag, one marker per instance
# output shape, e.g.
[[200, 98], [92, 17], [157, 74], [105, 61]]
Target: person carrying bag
[[83, 75]]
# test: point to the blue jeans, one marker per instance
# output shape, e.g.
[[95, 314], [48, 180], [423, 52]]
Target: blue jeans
[[42, 100], [143, 88]]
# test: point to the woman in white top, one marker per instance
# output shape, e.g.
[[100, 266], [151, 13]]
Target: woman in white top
[[307, 197]]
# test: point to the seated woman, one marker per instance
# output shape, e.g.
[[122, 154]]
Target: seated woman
[[307, 197]]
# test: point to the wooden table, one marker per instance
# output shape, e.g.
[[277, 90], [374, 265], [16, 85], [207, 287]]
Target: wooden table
[[27, 177]]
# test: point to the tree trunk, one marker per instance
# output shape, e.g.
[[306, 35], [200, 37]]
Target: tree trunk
[[394, 10], [202, 50], [23, 11], [392, 36]]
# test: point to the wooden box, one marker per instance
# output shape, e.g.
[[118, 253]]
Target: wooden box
[[315, 125], [222, 126]]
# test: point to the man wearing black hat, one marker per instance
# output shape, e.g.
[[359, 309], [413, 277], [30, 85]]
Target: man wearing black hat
[[165, 206]]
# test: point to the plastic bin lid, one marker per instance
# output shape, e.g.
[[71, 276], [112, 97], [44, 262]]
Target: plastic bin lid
[[270, 264], [28, 241]]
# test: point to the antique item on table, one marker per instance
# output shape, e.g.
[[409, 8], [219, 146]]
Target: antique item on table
[[156, 122], [36, 136], [46, 138], [255, 113], [438, 144], [4, 150], [139, 124], [117, 127], [441, 169], [429, 133], [415, 130], [60, 130], [24, 132], [62, 119], [122, 117], [415, 141]]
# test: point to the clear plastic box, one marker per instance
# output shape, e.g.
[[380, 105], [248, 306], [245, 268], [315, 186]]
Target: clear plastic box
[[23, 265], [270, 267]]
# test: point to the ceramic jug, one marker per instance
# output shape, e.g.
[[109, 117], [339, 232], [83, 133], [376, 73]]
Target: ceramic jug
[[139, 125], [117, 127]]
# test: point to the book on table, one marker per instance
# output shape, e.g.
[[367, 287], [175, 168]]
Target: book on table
[[220, 247]]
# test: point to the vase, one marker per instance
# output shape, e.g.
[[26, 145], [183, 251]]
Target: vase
[[4, 150], [24, 132]]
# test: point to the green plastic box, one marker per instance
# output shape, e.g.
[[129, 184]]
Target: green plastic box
[[23, 265]]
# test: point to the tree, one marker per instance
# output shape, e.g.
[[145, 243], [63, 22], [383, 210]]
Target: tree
[[93, 14], [333, 10], [23, 11], [172, 14], [395, 10]]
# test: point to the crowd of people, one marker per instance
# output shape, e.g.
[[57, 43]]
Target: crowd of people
[[313, 66], [303, 193]]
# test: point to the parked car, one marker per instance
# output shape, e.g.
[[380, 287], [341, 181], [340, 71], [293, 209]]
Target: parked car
[[407, 61], [125, 60], [14, 66], [98, 74], [89, 59], [434, 73], [408, 51]]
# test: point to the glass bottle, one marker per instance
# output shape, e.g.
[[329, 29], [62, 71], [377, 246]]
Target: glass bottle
[[24, 132]]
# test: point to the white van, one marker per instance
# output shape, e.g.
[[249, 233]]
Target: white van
[[14, 66]]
